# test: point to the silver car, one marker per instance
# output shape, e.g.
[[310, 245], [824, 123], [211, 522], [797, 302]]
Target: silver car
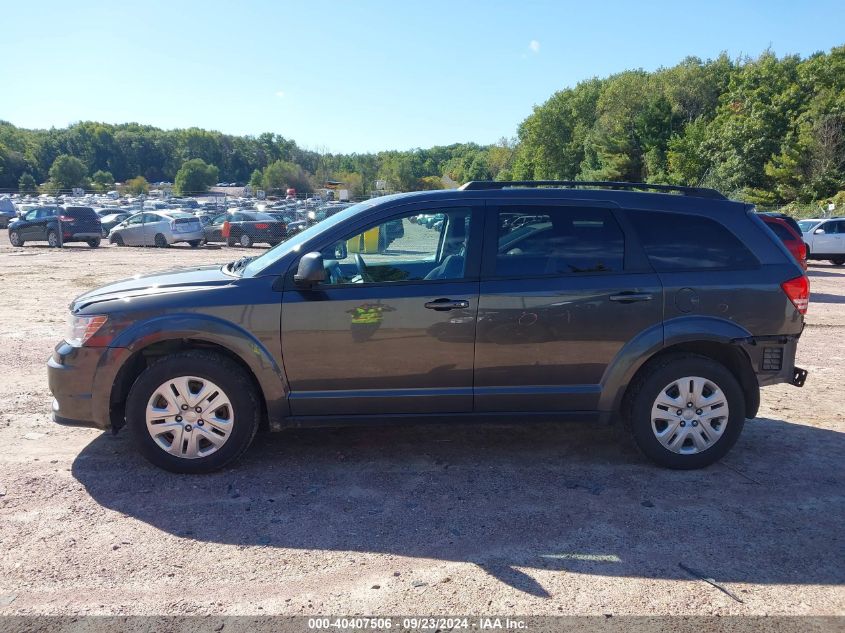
[[157, 228]]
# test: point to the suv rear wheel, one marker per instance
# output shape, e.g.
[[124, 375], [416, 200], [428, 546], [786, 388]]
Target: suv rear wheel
[[192, 412], [838, 261], [686, 411]]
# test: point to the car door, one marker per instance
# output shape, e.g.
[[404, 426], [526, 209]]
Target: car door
[[27, 229], [391, 330], [131, 232], [560, 296], [835, 233], [151, 225], [214, 230], [825, 238], [45, 221]]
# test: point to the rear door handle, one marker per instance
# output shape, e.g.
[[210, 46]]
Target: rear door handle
[[441, 305], [631, 297]]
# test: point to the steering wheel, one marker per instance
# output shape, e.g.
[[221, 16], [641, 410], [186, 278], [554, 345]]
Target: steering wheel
[[362, 267]]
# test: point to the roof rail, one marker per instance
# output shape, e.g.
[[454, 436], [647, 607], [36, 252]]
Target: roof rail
[[697, 192]]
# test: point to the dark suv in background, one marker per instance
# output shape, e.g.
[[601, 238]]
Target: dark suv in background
[[523, 301], [57, 226]]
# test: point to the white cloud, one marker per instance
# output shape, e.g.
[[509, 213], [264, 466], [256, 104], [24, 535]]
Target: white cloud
[[280, 93], [534, 46]]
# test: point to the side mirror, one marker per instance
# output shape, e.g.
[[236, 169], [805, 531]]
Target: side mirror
[[311, 270], [818, 232]]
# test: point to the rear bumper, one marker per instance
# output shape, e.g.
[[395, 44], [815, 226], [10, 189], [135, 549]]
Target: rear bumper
[[82, 237], [773, 359], [188, 236]]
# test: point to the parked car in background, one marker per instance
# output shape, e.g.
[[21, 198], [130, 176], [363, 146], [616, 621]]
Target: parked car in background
[[7, 212], [790, 237], [111, 220], [792, 222], [825, 239], [245, 228], [158, 228], [57, 226]]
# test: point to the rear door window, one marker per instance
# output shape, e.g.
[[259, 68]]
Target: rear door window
[[537, 241], [680, 241]]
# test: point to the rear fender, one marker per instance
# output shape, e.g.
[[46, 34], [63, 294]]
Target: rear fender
[[639, 350]]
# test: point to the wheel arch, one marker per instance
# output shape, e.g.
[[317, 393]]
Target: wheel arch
[[704, 336], [149, 341]]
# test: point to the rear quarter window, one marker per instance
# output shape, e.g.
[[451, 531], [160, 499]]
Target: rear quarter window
[[679, 241]]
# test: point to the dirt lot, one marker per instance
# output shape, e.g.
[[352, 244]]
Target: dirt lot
[[425, 520]]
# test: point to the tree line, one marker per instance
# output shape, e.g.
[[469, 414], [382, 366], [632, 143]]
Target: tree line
[[768, 130]]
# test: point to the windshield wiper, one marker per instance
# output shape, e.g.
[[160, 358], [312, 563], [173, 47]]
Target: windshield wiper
[[240, 264]]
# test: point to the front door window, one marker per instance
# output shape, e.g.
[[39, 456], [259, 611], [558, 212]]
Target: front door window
[[414, 247]]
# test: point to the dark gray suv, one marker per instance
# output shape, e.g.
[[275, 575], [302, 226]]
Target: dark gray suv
[[499, 301]]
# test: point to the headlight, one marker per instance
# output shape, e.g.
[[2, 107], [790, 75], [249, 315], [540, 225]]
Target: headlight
[[82, 328]]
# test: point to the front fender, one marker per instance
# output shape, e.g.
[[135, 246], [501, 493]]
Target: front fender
[[636, 352], [210, 329]]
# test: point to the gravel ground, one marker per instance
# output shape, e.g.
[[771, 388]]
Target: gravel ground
[[427, 520]]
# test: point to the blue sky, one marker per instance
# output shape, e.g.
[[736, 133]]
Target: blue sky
[[360, 76]]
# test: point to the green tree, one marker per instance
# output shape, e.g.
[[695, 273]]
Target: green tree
[[282, 174], [27, 184], [256, 180], [102, 180], [136, 186], [68, 172], [195, 176]]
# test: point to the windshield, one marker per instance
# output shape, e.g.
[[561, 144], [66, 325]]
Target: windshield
[[807, 225], [293, 244]]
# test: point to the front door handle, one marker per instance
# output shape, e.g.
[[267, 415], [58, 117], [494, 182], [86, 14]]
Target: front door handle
[[441, 305], [631, 297]]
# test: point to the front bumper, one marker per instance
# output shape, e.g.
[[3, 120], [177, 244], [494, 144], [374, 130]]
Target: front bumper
[[80, 380]]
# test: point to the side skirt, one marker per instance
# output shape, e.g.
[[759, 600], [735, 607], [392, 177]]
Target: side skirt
[[504, 417]]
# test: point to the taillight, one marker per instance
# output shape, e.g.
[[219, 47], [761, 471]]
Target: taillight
[[225, 229], [66, 218], [262, 226], [798, 291]]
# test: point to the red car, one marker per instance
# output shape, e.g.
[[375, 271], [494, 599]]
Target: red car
[[792, 240]]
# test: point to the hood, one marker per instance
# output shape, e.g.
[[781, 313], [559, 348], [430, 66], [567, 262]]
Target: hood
[[155, 284]]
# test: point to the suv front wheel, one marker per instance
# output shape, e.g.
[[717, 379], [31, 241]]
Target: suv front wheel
[[686, 411], [192, 412]]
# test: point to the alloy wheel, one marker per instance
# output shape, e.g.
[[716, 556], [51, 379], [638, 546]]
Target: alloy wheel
[[189, 417], [689, 415]]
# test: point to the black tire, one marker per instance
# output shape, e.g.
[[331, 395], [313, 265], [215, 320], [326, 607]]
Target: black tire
[[15, 238], [837, 261], [230, 377], [194, 243], [655, 376], [117, 240], [160, 241], [53, 239], [245, 241], [94, 243]]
